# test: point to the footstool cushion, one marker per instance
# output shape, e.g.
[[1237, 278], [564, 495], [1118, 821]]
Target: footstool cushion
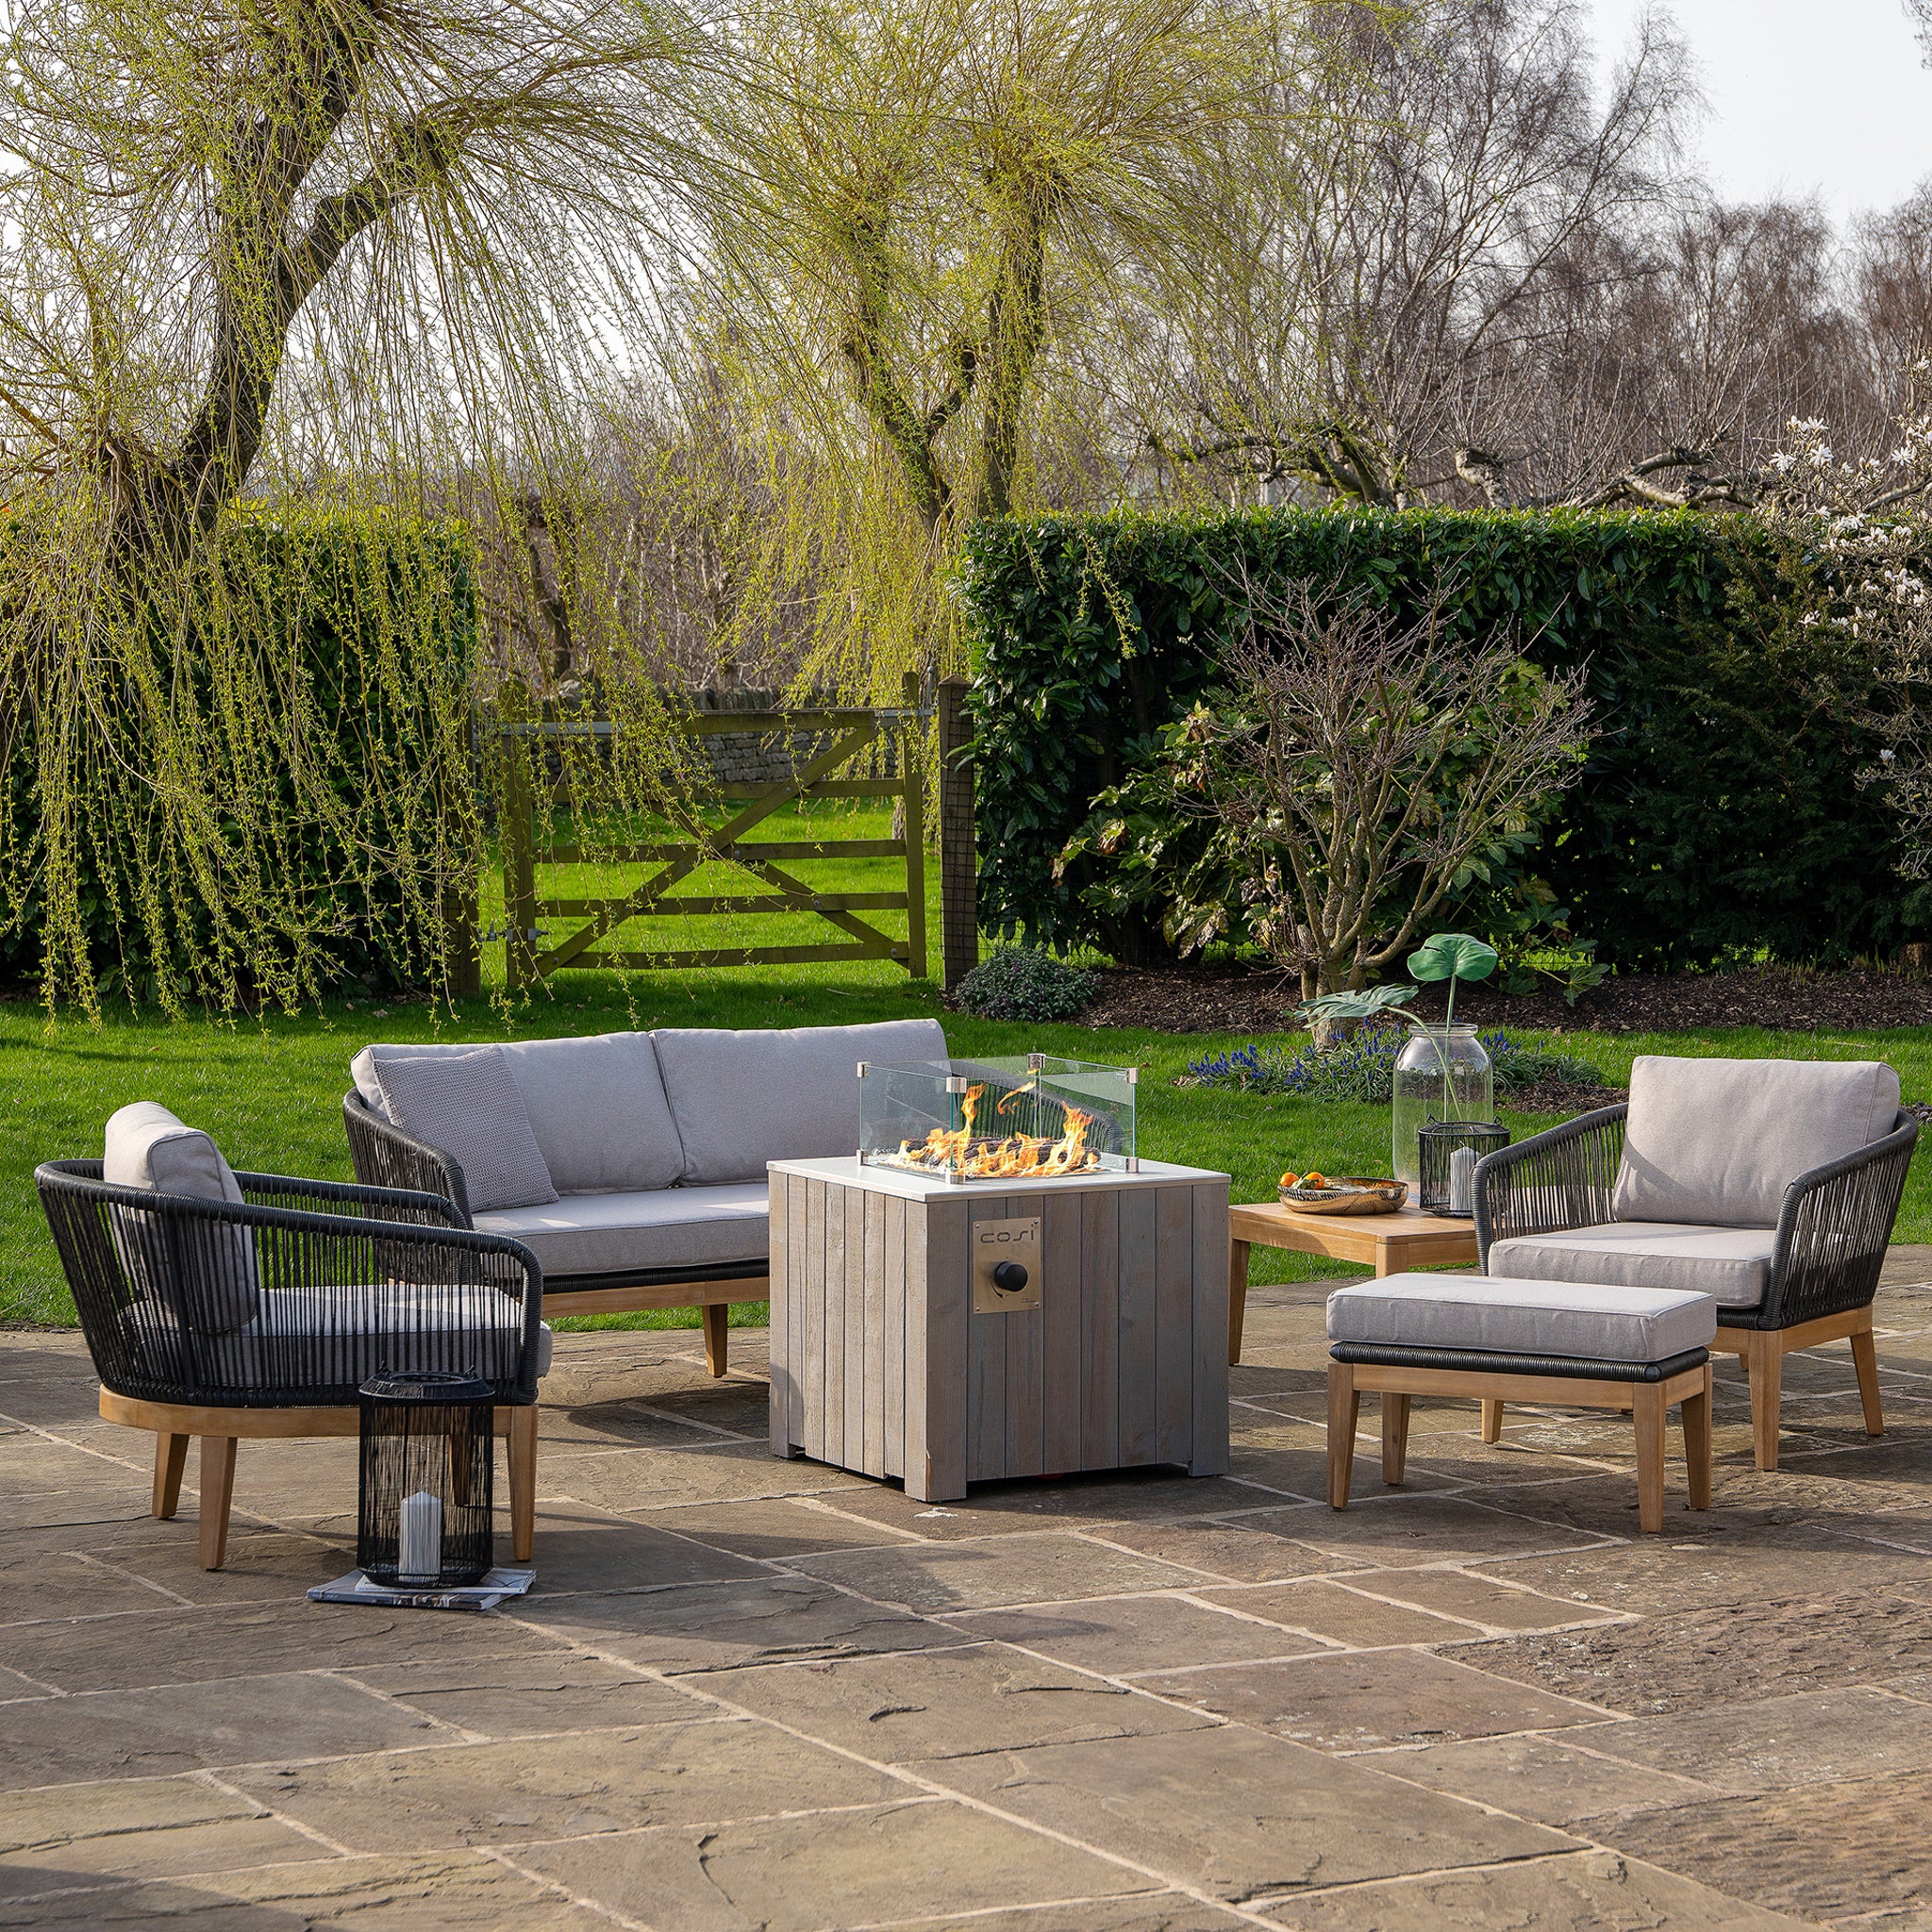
[[1548, 1323]]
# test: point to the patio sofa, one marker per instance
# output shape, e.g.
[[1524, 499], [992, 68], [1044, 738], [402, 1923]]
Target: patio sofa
[[631, 1165], [1771, 1185]]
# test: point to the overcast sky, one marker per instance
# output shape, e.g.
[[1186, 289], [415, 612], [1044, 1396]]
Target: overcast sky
[[1830, 96]]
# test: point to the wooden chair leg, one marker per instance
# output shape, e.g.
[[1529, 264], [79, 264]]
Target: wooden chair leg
[[1696, 1416], [1765, 1366], [1345, 1413], [523, 1481], [217, 1488], [717, 1336], [171, 1459], [1648, 1414], [1394, 1437], [1865, 1359], [1236, 1299], [1492, 1419]]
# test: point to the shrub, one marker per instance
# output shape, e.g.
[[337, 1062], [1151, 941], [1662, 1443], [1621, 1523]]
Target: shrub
[[1362, 1067], [1719, 813], [1025, 983]]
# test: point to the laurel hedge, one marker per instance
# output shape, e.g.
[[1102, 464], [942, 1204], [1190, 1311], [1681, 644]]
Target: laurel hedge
[[1720, 814]]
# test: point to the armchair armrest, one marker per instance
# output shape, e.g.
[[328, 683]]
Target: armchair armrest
[[346, 1197], [1833, 1229], [386, 1156], [1554, 1180]]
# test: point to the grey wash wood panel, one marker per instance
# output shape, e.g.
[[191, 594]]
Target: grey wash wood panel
[[1026, 1369], [1100, 1331], [797, 1268], [899, 1358], [986, 1426], [1063, 1295], [880, 1376], [1174, 1345], [777, 1218], [941, 1277], [1210, 1418], [814, 1438], [835, 1324], [1140, 1311]]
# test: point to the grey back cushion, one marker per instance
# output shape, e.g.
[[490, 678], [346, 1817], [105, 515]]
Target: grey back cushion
[[202, 1269], [595, 1105], [1718, 1142], [467, 1105], [741, 1099]]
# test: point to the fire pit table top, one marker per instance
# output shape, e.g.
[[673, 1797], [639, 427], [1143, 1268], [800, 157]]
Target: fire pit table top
[[909, 1185]]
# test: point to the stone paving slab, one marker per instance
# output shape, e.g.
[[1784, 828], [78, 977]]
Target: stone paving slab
[[751, 1692]]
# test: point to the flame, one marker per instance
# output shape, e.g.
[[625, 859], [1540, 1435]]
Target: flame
[[1017, 1157]]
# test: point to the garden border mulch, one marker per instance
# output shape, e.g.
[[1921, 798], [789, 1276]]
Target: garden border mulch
[[1785, 999]]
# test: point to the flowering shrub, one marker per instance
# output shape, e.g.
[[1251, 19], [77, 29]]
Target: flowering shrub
[[1363, 1066]]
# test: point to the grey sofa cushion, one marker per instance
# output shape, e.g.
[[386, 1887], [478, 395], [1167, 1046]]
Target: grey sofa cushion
[[1718, 1142], [666, 1228], [743, 1099], [1476, 1311], [393, 1327], [595, 1105], [467, 1105], [204, 1270], [1732, 1263]]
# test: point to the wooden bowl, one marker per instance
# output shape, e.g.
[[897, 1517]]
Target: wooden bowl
[[1353, 1195]]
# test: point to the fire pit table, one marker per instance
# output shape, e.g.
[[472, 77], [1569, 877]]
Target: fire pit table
[[995, 1285]]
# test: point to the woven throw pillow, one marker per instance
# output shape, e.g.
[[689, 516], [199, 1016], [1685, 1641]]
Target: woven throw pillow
[[201, 1269], [467, 1105]]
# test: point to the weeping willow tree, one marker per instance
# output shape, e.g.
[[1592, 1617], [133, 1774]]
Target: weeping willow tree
[[383, 256], [949, 196]]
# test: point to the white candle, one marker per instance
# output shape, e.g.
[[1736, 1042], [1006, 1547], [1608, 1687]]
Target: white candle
[[419, 1552], [1462, 1180]]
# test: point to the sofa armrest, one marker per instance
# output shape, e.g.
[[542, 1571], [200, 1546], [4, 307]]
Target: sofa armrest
[[1554, 1180], [385, 1156], [1833, 1229]]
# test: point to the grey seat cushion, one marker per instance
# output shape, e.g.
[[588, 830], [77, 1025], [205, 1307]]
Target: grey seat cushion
[[316, 1336], [1514, 1317], [467, 1105], [664, 1227], [1732, 1263], [1718, 1142], [595, 1105], [743, 1099], [204, 1270]]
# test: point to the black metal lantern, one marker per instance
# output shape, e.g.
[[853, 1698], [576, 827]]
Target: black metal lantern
[[1450, 1150], [423, 1520]]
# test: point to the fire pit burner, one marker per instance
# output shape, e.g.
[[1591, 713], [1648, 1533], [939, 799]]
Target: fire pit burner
[[1026, 1117]]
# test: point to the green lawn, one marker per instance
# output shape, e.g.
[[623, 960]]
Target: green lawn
[[271, 1092]]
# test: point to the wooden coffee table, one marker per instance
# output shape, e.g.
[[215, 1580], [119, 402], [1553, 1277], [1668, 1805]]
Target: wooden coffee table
[[1386, 1242]]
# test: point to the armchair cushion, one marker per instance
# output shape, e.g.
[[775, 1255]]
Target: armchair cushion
[[667, 1227], [206, 1270], [468, 1105], [743, 1099], [1732, 1263], [343, 1336], [1716, 1142]]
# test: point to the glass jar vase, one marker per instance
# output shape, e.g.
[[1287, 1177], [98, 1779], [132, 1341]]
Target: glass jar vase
[[1441, 1073]]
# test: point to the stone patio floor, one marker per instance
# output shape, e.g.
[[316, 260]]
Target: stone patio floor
[[761, 1695]]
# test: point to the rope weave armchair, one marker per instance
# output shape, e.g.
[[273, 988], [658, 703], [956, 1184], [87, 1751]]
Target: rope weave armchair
[[216, 1319], [1825, 1252]]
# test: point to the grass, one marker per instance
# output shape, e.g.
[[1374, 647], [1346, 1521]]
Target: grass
[[270, 1090]]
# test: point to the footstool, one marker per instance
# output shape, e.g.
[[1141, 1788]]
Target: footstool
[[1640, 1349]]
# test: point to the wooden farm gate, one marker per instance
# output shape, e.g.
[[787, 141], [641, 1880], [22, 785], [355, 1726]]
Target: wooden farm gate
[[842, 736]]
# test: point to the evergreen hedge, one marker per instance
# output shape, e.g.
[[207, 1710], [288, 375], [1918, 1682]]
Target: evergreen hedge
[[1719, 815]]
